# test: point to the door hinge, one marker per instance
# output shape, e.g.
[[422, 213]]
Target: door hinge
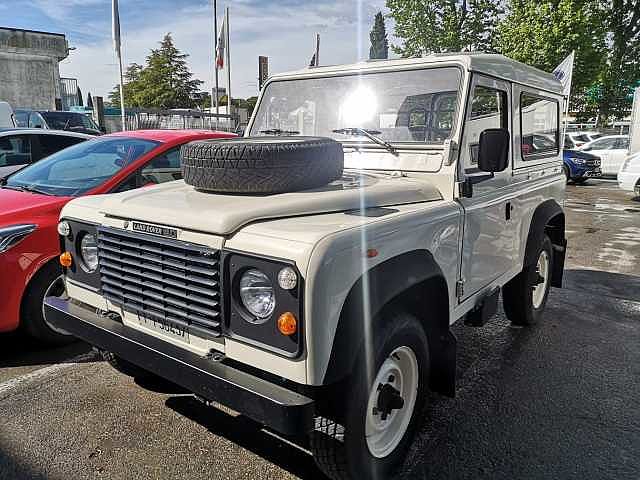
[[460, 288]]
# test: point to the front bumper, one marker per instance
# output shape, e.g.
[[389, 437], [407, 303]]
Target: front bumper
[[279, 408]]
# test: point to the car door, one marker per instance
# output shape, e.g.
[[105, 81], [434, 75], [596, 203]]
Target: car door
[[15, 153], [603, 149], [618, 154], [488, 240], [162, 168]]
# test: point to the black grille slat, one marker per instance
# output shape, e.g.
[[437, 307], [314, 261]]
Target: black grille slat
[[162, 278]]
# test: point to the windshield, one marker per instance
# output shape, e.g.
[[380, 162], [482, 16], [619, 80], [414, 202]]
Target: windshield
[[78, 169], [69, 121], [417, 106]]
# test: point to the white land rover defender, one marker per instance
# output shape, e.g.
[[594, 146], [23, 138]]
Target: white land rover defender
[[307, 274]]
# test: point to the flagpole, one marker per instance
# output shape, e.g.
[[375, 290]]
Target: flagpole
[[115, 27], [317, 50], [215, 67], [228, 61]]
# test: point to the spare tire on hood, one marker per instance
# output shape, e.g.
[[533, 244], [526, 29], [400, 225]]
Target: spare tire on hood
[[261, 164]]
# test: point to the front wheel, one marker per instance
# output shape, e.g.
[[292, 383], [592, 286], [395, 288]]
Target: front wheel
[[525, 296], [567, 174], [383, 405]]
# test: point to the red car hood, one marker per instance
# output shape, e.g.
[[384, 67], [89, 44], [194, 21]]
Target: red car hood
[[21, 207]]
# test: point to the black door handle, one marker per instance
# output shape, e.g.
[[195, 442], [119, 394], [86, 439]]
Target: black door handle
[[507, 211]]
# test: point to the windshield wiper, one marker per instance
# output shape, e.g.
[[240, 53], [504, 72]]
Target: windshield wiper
[[26, 188], [370, 134], [277, 131]]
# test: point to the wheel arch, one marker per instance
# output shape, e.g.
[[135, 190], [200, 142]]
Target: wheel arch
[[414, 282], [548, 219], [34, 276]]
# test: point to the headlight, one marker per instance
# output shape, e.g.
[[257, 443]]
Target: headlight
[[579, 161], [12, 235], [89, 253], [257, 295]]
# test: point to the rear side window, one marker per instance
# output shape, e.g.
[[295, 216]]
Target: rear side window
[[539, 126], [15, 150], [54, 143], [488, 110]]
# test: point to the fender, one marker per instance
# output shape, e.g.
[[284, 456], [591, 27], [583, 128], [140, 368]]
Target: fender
[[548, 219], [413, 281]]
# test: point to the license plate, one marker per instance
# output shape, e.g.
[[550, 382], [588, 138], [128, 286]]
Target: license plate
[[164, 327], [595, 173]]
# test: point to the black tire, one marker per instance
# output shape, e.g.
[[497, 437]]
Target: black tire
[[517, 295], [341, 452], [262, 164], [124, 367], [32, 318], [566, 172], [580, 181]]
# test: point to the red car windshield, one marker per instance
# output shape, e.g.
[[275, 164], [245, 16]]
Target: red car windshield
[[80, 168]]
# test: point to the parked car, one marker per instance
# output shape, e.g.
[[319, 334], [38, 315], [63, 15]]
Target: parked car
[[629, 175], [581, 138], [579, 166], [612, 151], [7, 117], [57, 120], [318, 299], [31, 200], [20, 147]]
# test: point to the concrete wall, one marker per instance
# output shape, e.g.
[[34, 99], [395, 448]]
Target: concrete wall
[[29, 72]]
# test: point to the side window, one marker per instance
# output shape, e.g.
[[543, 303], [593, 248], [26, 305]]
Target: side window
[[36, 120], [162, 168], [15, 150], [622, 143], [539, 126], [50, 144], [604, 144], [489, 107]]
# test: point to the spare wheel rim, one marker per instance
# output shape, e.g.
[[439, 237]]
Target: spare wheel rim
[[399, 370]]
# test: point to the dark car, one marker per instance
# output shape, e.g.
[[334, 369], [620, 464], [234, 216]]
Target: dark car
[[579, 166], [20, 147], [57, 120]]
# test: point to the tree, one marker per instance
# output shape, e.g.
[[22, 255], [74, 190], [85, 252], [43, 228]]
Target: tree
[[621, 72], [79, 95], [164, 82], [543, 33], [378, 36], [435, 26], [89, 101]]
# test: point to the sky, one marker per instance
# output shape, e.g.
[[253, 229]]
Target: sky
[[283, 30]]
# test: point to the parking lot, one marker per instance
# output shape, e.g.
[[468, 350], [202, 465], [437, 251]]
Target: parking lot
[[559, 400]]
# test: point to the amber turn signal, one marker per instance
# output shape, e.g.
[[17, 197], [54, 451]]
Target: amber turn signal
[[287, 324], [66, 259]]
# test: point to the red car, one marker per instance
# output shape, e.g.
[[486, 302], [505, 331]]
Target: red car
[[31, 200]]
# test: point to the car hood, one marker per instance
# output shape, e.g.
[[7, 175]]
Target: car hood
[[180, 205], [579, 154], [20, 207]]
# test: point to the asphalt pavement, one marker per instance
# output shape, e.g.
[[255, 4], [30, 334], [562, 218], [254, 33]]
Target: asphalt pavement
[[558, 400]]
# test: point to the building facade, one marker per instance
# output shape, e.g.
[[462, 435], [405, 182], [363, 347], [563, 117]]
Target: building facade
[[29, 71]]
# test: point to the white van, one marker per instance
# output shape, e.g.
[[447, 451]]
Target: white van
[[7, 120]]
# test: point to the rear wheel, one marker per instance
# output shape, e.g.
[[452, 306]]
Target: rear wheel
[[48, 282], [381, 414], [525, 296]]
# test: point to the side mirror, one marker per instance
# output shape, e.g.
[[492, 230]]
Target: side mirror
[[493, 150]]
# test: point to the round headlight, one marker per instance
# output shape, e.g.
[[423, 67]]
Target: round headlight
[[63, 228], [256, 293], [89, 253]]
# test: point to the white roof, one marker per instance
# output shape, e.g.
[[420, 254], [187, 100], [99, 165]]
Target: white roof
[[43, 131], [495, 65]]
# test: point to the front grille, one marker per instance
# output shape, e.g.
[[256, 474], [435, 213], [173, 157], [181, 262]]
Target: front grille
[[593, 162], [165, 279]]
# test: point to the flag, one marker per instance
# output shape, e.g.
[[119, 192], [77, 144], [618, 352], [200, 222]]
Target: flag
[[115, 25], [222, 45], [564, 73]]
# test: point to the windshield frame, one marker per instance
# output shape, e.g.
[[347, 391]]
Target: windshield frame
[[365, 143]]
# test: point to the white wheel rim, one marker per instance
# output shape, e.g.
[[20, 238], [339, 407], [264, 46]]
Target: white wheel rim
[[51, 291], [542, 270], [400, 370]]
